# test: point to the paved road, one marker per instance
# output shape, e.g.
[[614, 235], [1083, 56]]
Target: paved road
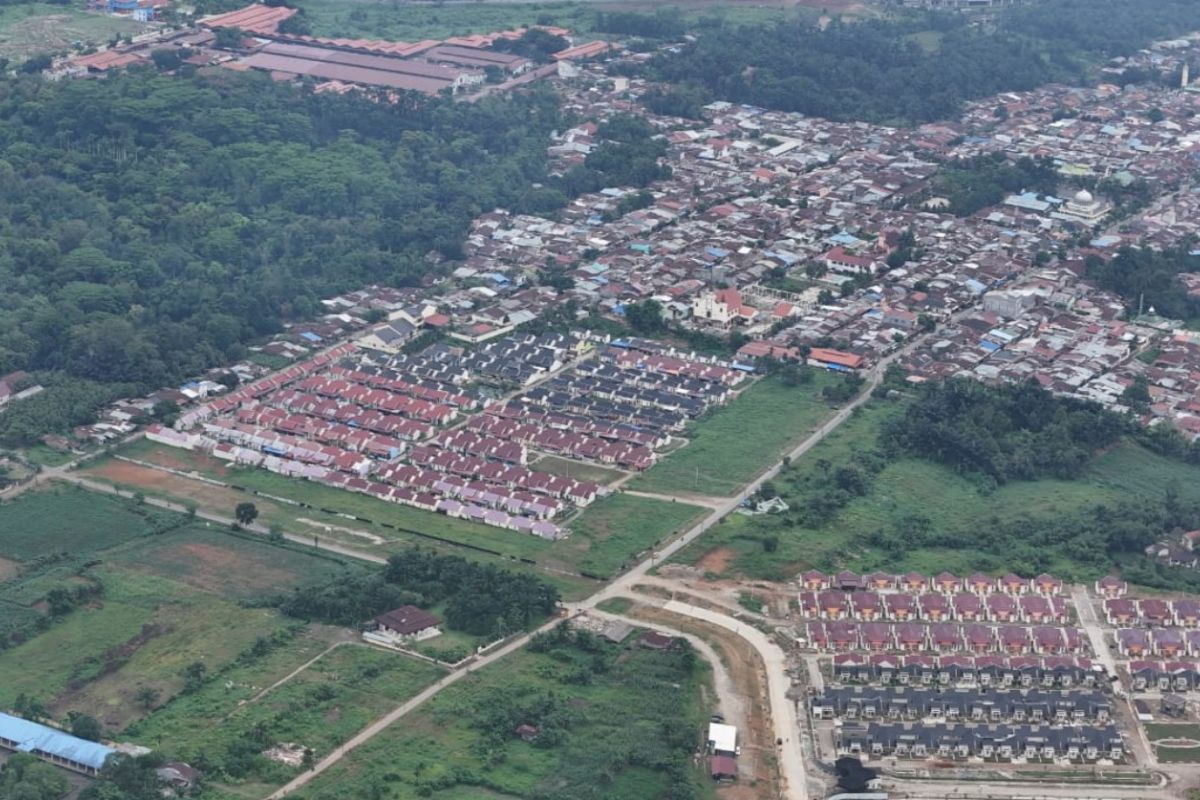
[[949, 790]]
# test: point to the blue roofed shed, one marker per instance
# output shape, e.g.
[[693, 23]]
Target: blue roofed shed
[[52, 745]]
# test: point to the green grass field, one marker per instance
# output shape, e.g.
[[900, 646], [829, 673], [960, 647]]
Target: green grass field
[[911, 488], [611, 531], [731, 446], [66, 519], [446, 749]]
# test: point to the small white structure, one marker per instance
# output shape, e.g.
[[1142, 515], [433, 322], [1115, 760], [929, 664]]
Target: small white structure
[[722, 739]]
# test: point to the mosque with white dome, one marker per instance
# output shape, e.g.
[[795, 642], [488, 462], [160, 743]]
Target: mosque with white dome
[[1084, 209]]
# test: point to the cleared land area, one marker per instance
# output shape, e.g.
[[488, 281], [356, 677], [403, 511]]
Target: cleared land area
[[29, 29], [910, 491], [628, 726], [730, 447], [579, 471]]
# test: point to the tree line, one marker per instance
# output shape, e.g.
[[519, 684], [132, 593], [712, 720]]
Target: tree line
[[879, 70]]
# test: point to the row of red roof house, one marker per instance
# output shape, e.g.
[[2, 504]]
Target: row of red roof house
[[1153, 611], [943, 637], [348, 413], [933, 607], [586, 426], [261, 387], [989, 670], [1179, 676], [578, 492], [464, 402], [814, 580], [490, 495], [386, 400], [1165, 642], [470, 443], [448, 506], [363, 437], [282, 445], [566, 443]]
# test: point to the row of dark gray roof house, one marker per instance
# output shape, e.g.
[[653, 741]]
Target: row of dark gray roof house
[[976, 705], [999, 742]]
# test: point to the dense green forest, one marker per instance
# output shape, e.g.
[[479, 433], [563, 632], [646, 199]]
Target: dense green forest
[[1010, 432], [479, 599], [878, 70], [150, 226], [1142, 276]]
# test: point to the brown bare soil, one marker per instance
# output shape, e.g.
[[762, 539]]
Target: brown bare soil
[[716, 561], [9, 569], [151, 481], [747, 673]]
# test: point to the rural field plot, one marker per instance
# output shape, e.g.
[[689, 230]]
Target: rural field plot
[[630, 726], [66, 520], [729, 447], [338, 694]]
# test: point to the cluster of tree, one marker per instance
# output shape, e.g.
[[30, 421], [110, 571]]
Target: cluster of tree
[[535, 44], [150, 226], [127, 778], [628, 154], [817, 494], [878, 71], [646, 316], [662, 25], [479, 599], [1003, 433], [26, 777], [976, 183], [1149, 278], [631, 202], [844, 390], [686, 100]]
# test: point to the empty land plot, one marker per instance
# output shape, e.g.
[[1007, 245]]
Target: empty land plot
[[612, 531], [910, 491], [320, 707], [29, 29], [144, 632], [66, 520], [731, 446], [577, 470], [223, 563], [641, 707]]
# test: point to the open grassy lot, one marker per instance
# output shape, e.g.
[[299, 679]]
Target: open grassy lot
[[574, 469], [33, 28], [142, 633], [909, 490], [66, 519], [620, 732], [732, 445], [235, 567], [613, 530], [342, 691], [417, 21], [1175, 742]]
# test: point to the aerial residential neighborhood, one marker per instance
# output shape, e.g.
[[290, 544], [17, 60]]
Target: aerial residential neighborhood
[[589, 400]]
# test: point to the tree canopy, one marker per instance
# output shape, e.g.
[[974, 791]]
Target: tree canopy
[[151, 225]]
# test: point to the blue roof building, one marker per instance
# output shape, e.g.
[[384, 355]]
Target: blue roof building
[[54, 746]]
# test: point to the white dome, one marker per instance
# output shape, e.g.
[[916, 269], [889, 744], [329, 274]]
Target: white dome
[[1083, 196]]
